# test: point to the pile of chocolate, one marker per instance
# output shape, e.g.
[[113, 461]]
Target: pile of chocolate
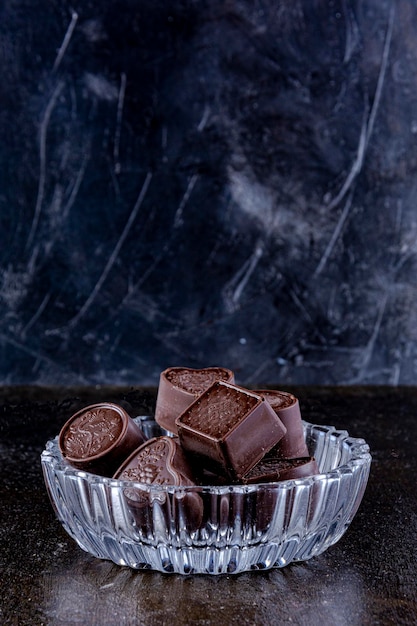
[[217, 433]]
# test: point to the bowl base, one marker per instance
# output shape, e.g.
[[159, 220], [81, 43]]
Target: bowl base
[[230, 560]]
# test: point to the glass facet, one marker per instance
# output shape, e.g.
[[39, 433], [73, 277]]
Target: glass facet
[[244, 527]]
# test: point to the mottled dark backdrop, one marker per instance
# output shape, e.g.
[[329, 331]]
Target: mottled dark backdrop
[[218, 182]]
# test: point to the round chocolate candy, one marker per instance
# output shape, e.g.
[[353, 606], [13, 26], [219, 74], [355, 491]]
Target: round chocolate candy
[[99, 437], [287, 407]]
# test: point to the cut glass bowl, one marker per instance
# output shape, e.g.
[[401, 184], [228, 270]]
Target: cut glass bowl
[[244, 527]]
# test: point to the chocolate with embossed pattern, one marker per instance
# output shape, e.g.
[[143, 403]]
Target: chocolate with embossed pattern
[[159, 462], [287, 407], [275, 469], [99, 437], [179, 387], [228, 429]]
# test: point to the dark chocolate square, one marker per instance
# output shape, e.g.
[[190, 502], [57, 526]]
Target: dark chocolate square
[[229, 429]]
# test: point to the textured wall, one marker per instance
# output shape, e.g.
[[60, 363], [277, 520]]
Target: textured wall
[[208, 182]]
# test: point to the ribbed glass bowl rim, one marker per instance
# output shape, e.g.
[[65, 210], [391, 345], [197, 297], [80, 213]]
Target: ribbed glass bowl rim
[[358, 449]]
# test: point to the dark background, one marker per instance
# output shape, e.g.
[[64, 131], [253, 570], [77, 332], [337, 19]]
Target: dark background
[[208, 183]]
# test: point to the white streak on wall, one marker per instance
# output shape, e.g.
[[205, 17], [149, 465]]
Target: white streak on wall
[[65, 41]]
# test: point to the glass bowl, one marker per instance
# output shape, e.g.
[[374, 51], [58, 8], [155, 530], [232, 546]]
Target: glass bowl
[[242, 527]]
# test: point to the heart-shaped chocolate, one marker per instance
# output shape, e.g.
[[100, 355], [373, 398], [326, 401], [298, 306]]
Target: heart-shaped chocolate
[[196, 381], [180, 386], [158, 462]]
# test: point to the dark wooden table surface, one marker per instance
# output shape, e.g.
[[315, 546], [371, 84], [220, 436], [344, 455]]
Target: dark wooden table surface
[[368, 577]]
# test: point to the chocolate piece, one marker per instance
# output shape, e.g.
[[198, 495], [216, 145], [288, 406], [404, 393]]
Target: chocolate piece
[[98, 437], [160, 461], [286, 406], [179, 387], [208, 478], [273, 469], [229, 429], [270, 470]]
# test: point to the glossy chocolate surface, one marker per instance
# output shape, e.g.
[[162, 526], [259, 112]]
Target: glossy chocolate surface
[[160, 461], [229, 429], [196, 381], [98, 437], [279, 400], [179, 387], [272, 469], [287, 407], [92, 432]]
